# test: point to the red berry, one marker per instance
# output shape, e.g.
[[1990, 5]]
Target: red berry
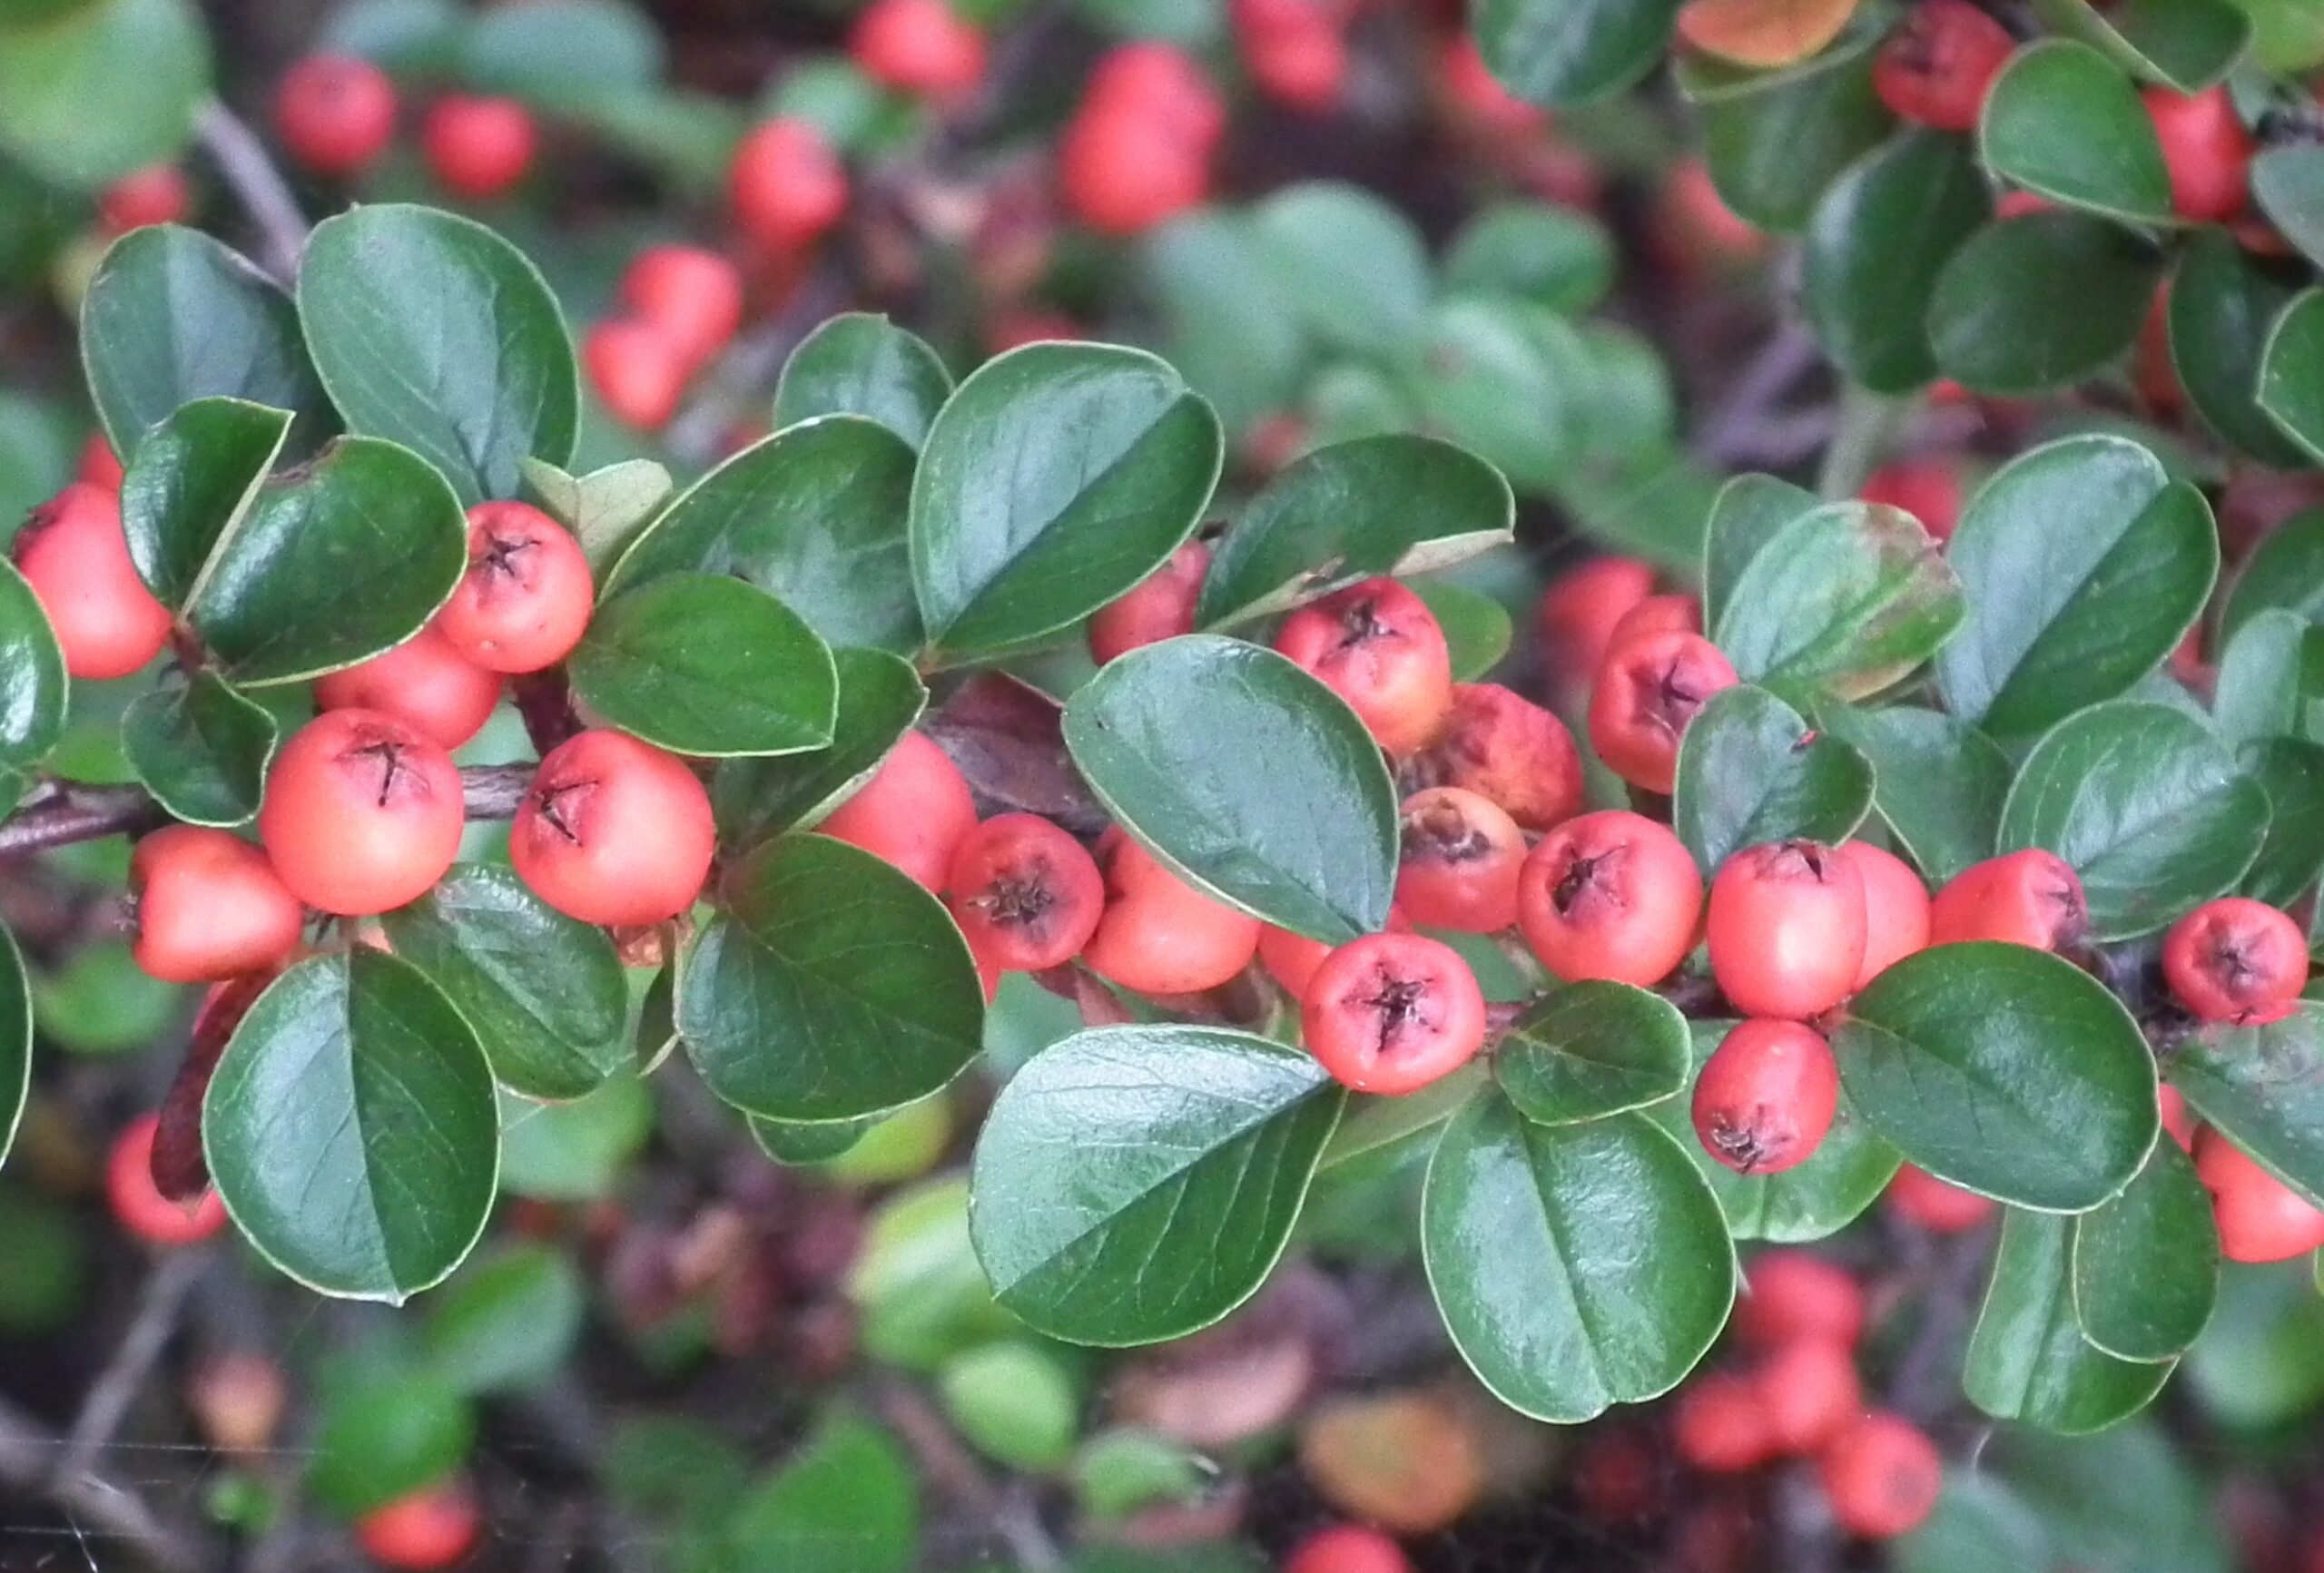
[[1896, 909], [424, 683], [363, 814], [1027, 894], [914, 811], [1293, 48], [335, 114], [1767, 1096], [1378, 646], [692, 298], [99, 467], [1507, 749], [614, 832], [1391, 1013], [1695, 226], [918, 46], [1159, 934], [2206, 149], [1163, 85], [1927, 488], [1161, 606], [1811, 1391], [138, 1205], [1477, 94], [1138, 150], [1648, 691], [1881, 1475], [429, 1528], [1461, 857], [1720, 1426], [2236, 959], [157, 195], [73, 555], [1656, 614], [787, 187], [639, 372], [1790, 1294], [1347, 1548], [2028, 898], [477, 148], [1611, 895], [1938, 65], [1939, 1206], [210, 907], [526, 600], [2261, 1218], [1290, 958], [1786, 928], [1576, 615]]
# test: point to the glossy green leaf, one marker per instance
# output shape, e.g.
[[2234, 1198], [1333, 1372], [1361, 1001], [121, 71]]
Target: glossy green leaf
[[813, 515], [2037, 303], [2270, 679], [506, 1324], [2083, 564], [1507, 379], [351, 1128], [1168, 735], [879, 698], [1774, 151], [2005, 1070], [2292, 366], [2146, 804], [1750, 511], [831, 986], [383, 1430], [431, 329], [1378, 505], [104, 91], [844, 1503], [2286, 569], [1752, 770], [1939, 783], [1478, 629], [1014, 1402], [2291, 772], [2146, 1264], [329, 564], [1874, 247], [1057, 476], [606, 509], [189, 484], [796, 1142], [200, 749], [1577, 1266], [1135, 1183], [859, 363], [2287, 182], [1351, 269], [1562, 258], [707, 665], [2224, 307], [2188, 44], [2028, 1360], [1556, 52], [2263, 1087], [15, 1040], [33, 686], [171, 316], [544, 992], [2064, 122], [1592, 1049]]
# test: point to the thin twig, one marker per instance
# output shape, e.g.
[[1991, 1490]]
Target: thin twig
[[949, 1466], [1738, 431], [159, 1303], [93, 1503], [257, 184]]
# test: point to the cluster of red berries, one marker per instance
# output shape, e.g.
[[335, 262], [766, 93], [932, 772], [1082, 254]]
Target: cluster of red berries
[[335, 115], [1137, 149], [678, 306], [1295, 50]]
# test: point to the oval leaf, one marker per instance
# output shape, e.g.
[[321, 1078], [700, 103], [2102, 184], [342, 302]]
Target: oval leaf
[[1763, 33], [796, 1142], [1750, 511], [605, 509], [1937, 783], [2064, 122], [879, 698], [2146, 1264], [1553, 52], [1775, 149], [2224, 307], [2263, 1087], [2271, 678], [33, 686], [2036, 303], [507, 1322], [2291, 373], [1351, 269], [200, 749], [2291, 772], [2285, 570], [1751, 770], [707, 665], [102, 90], [2188, 44], [2028, 1360], [2287, 182], [189, 484], [1592, 1049], [859, 363]]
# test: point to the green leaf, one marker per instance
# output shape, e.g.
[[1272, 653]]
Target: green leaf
[[573, 1152], [2064, 122], [879, 698], [2263, 1087], [859, 363], [796, 1142], [1136, 1183], [402, 36], [1979, 1522], [2287, 182], [351, 1128], [917, 1282], [1750, 511], [2291, 772], [1632, 415], [1013, 1401], [15, 1040], [1554, 51], [2028, 1360], [329, 564], [189, 484], [1752, 770], [555, 53], [1592, 1049], [104, 91], [1057, 476], [431, 329], [1376, 505], [2286, 569], [2130, 1501], [545, 993], [1507, 379], [1577, 1266], [1874, 247], [1847, 598], [2270, 678], [2033, 304], [2146, 1264], [831, 986], [1560, 258], [1168, 736], [2083, 564], [2005, 1070], [844, 1503], [2290, 368], [171, 316], [2224, 307], [1939, 783], [1774, 150], [814, 516], [1351, 269], [33, 686], [1222, 323], [2188, 44], [2148, 806], [506, 1324], [606, 509], [1478, 629], [707, 665], [384, 1431], [200, 748]]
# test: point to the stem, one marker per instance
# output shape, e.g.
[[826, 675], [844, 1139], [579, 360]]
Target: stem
[[242, 163], [1867, 422], [164, 1296]]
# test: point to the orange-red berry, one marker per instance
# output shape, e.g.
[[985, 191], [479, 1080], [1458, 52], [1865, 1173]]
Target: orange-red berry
[[429, 1528], [914, 811], [1720, 1426], [1611, 895], [1347, 1548], [1505, 747], [2206, 150], [526, 600], [1811, 1391], [2261, 1218], [2236, 959], [1378, 646], [424, 683], [479, 148], [1767, 1096], [613, 831], [1790, 1294], [2029, 898], [1026, 894], [1460, 860], [787, 186], [210, 907], [1927, 488], [1939, 1206], [1939, 63], [1648, 692], [1391, 1013], [1160, 606], [1881, 1475], [1576, 616], [335, 114], [1896, 909], [156, 195], [1159, 934], [138, 1205], [362, 813], [692, 297], [1786, 928], [72, 553], [918, 46], [638, 372]]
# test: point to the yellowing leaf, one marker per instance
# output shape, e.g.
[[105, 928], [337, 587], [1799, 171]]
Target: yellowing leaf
[[1764, 33]]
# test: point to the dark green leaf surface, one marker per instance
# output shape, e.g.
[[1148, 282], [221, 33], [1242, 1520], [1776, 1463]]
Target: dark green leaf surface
[[1553, 51], [1750, 511], [2028, 1360], [189, 484], [707, 665], [2286, 569], [506, 1324], [101, 92], [15, 1040], [606, 509], [2083, 565], [2291, 772], [351, 1128], [2270, 678], [796, 1141], [2263, 1087], [1939, 783], [1350, 267], [813, 515], [1751, 770], [384, 1430], [1058, 478], [1577, 1266], [1509, 380], [32, 683], [1592, 1049], [431, 329], [1774, 150], [2005, 1070], [2036, 303], [2287, 182], [879, 698], [1135, 1183], [200, 749], [844, 1503], [2146, 1264], [832, 987], [1378, 505], [560, 53], [2188, 44], [1168, 736], [2224, 305], [1555, 256], [859, 363], [2148, 806], [2063, 122], [544, 992], [2290, 367]]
